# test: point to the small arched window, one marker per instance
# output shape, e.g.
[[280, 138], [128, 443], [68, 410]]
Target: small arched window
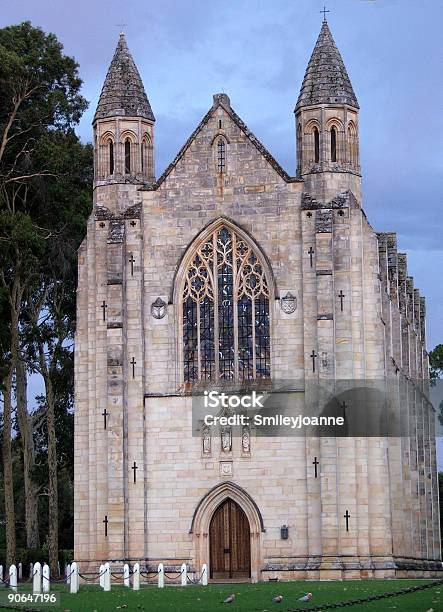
[[221, 155], [352, 145], [333, 144], [127, 156], [316, 145], [111, 157], [299, 148], [146, 156]]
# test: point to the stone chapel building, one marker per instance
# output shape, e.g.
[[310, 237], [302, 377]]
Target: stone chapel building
[[228, 268]]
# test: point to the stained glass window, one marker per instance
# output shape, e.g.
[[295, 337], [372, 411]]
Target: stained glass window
[[226, 312]]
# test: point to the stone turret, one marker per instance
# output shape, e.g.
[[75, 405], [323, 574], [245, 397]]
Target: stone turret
[[123, 125], [326, 117]]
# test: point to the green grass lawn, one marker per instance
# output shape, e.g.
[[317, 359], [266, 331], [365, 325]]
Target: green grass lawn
[[251, 597]]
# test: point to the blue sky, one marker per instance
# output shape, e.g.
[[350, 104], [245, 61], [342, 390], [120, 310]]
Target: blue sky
[[257, 51]]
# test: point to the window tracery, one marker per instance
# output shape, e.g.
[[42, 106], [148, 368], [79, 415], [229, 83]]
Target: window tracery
[[225, 311]]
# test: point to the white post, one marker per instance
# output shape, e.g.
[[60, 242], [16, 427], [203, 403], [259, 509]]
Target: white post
[[13, 578], [204, 576], [20, 571], [101, 579], [161, 576], [136, 577], [37, 578], [46, 575], [126, 575], [68, 574], [1, 576], [74, 578], [184, 576], [107, 584]]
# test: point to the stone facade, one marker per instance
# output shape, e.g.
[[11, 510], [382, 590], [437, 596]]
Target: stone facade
[[317, 242]]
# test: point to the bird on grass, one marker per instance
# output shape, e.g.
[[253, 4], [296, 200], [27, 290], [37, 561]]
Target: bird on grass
[[306, 597], [230, 599], [277, 599]]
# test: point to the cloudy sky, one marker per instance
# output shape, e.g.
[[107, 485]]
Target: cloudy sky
[[257, 51]]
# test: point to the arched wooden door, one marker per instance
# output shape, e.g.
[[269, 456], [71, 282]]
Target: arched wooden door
[[230, 542]]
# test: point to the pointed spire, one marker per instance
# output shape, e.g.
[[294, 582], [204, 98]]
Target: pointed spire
[[123, 92], [326, 80]]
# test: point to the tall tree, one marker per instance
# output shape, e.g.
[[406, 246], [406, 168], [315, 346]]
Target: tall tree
[[39, 93], [51, 300], [6, 391], [20, 248], [436, 362]]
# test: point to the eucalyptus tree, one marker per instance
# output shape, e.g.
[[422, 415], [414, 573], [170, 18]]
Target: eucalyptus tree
[[39, 97]]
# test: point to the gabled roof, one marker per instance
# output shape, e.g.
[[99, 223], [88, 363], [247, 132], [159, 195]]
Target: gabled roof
[[326, 80], [123, 93], [223, 101]]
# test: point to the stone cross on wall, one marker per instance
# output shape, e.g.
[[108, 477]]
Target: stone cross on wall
[[315, 463], [313, 356]]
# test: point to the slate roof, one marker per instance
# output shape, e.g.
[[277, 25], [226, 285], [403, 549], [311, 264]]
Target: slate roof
[[123, 92], [326, 80]]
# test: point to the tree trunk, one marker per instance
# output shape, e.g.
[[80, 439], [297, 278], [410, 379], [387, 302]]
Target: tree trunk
[[7, 472], [52, 471], [31, 489]]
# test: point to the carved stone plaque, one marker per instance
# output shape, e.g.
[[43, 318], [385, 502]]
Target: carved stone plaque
[[225, 468], [206, 441], [246, 439], [288, 303], [158, 308]]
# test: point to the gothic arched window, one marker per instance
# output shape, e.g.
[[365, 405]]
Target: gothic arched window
[[316, 145], [146, 156], [127, 156], [111, 156], [221, 155], [225, 311], [333, 144], [352, 144]]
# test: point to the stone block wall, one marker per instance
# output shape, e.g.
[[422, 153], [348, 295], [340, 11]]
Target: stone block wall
[[145, 478]]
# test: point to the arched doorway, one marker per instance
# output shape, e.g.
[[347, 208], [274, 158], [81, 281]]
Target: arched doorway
[[229, 542]]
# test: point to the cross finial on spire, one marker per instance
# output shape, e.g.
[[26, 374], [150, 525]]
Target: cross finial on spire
[[324, 11], [121, 26]]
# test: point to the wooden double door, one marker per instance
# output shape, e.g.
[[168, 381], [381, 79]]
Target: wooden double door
[[229, 542]]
